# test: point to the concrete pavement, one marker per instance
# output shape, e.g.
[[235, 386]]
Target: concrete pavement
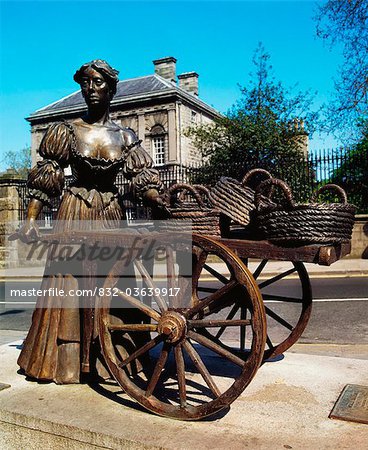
[[286, 406]]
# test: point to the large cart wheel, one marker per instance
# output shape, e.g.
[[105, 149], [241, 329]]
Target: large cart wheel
[[288, 304], [177, 368], [287, 298]]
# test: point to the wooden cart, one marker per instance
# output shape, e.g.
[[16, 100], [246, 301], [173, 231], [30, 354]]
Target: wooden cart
[[190, 355]]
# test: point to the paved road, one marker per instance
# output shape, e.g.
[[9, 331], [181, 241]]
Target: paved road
[[339, 313]]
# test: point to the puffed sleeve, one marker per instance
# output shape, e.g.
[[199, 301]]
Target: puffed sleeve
[[138, 167], [46, 179]]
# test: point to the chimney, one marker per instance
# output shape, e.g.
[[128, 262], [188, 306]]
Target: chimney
[[189, 82], [301, 137], [166, 68]]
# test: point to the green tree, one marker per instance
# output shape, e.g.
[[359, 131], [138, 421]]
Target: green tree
[[344, 23], [265, 128], [352, 174], [19, 160]]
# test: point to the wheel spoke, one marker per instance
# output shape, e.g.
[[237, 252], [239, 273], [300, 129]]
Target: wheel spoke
[[138, 304], [281, 298], [158, 370], [216, 274], [202, 369], [276, 278], [184, 297], [218, 323], [259, 269], [243, 317], [213, 298], [149, 282], [203, 340], [170, 267], [133, 327], [279, 319], [145, 348], [207, 289], [231, 314], [269, 342], [197, 267], [180, 369]]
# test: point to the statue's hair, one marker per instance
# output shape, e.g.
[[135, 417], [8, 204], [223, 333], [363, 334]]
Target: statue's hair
[[101, 66]]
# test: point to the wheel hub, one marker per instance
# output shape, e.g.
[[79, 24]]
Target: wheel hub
[[172, 325]]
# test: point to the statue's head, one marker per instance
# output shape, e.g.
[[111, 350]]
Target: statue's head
[[97, 79]]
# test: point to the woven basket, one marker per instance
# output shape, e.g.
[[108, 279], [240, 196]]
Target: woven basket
[[235, 199], [301, 224], [196, 216]]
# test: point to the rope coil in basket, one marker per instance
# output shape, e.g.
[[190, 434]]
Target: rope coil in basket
[[200, 218], [301, 224], [235, 198]]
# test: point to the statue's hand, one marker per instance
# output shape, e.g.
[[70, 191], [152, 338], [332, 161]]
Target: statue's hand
[[28, 232], [155, 200]]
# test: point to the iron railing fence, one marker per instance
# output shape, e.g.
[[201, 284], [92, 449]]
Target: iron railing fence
[[346, 167], [304, 175]]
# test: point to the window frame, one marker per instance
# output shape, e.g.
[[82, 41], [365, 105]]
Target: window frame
[[158, 144], [158, 149]]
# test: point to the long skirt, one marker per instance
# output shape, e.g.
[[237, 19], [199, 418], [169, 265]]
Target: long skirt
[[52, 348]]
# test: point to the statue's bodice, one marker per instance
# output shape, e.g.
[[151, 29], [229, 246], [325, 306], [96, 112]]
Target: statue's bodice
[[98, 155]]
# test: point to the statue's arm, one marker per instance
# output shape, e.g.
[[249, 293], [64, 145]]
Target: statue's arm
[[46, 178], [139, 169]]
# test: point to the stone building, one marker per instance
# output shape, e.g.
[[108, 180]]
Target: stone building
[[158, 107]]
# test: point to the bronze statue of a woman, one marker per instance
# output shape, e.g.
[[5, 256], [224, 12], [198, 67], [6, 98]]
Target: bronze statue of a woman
[[96, 150]]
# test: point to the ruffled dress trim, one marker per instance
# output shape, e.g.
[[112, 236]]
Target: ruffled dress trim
[[88, 196], [39, 195]]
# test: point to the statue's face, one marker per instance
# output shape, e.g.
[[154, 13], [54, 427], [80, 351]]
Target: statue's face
[[95, 90]]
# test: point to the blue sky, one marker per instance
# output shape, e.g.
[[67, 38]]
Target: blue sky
[[44, 42]]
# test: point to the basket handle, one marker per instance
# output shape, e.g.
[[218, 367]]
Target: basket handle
[[268, 184], [180, 186], [202, 190], [333, 187], [253, 172]]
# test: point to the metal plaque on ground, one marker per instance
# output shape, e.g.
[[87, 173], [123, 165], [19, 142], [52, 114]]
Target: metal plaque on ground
[[352, 405]]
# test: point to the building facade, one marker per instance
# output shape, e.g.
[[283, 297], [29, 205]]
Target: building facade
[[158, 107]]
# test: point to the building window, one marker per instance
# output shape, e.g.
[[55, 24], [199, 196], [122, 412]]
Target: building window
[[158, 144], [159, 150], [193, 116]]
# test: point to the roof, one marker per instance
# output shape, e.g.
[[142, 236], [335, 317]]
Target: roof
[[127, 90]]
